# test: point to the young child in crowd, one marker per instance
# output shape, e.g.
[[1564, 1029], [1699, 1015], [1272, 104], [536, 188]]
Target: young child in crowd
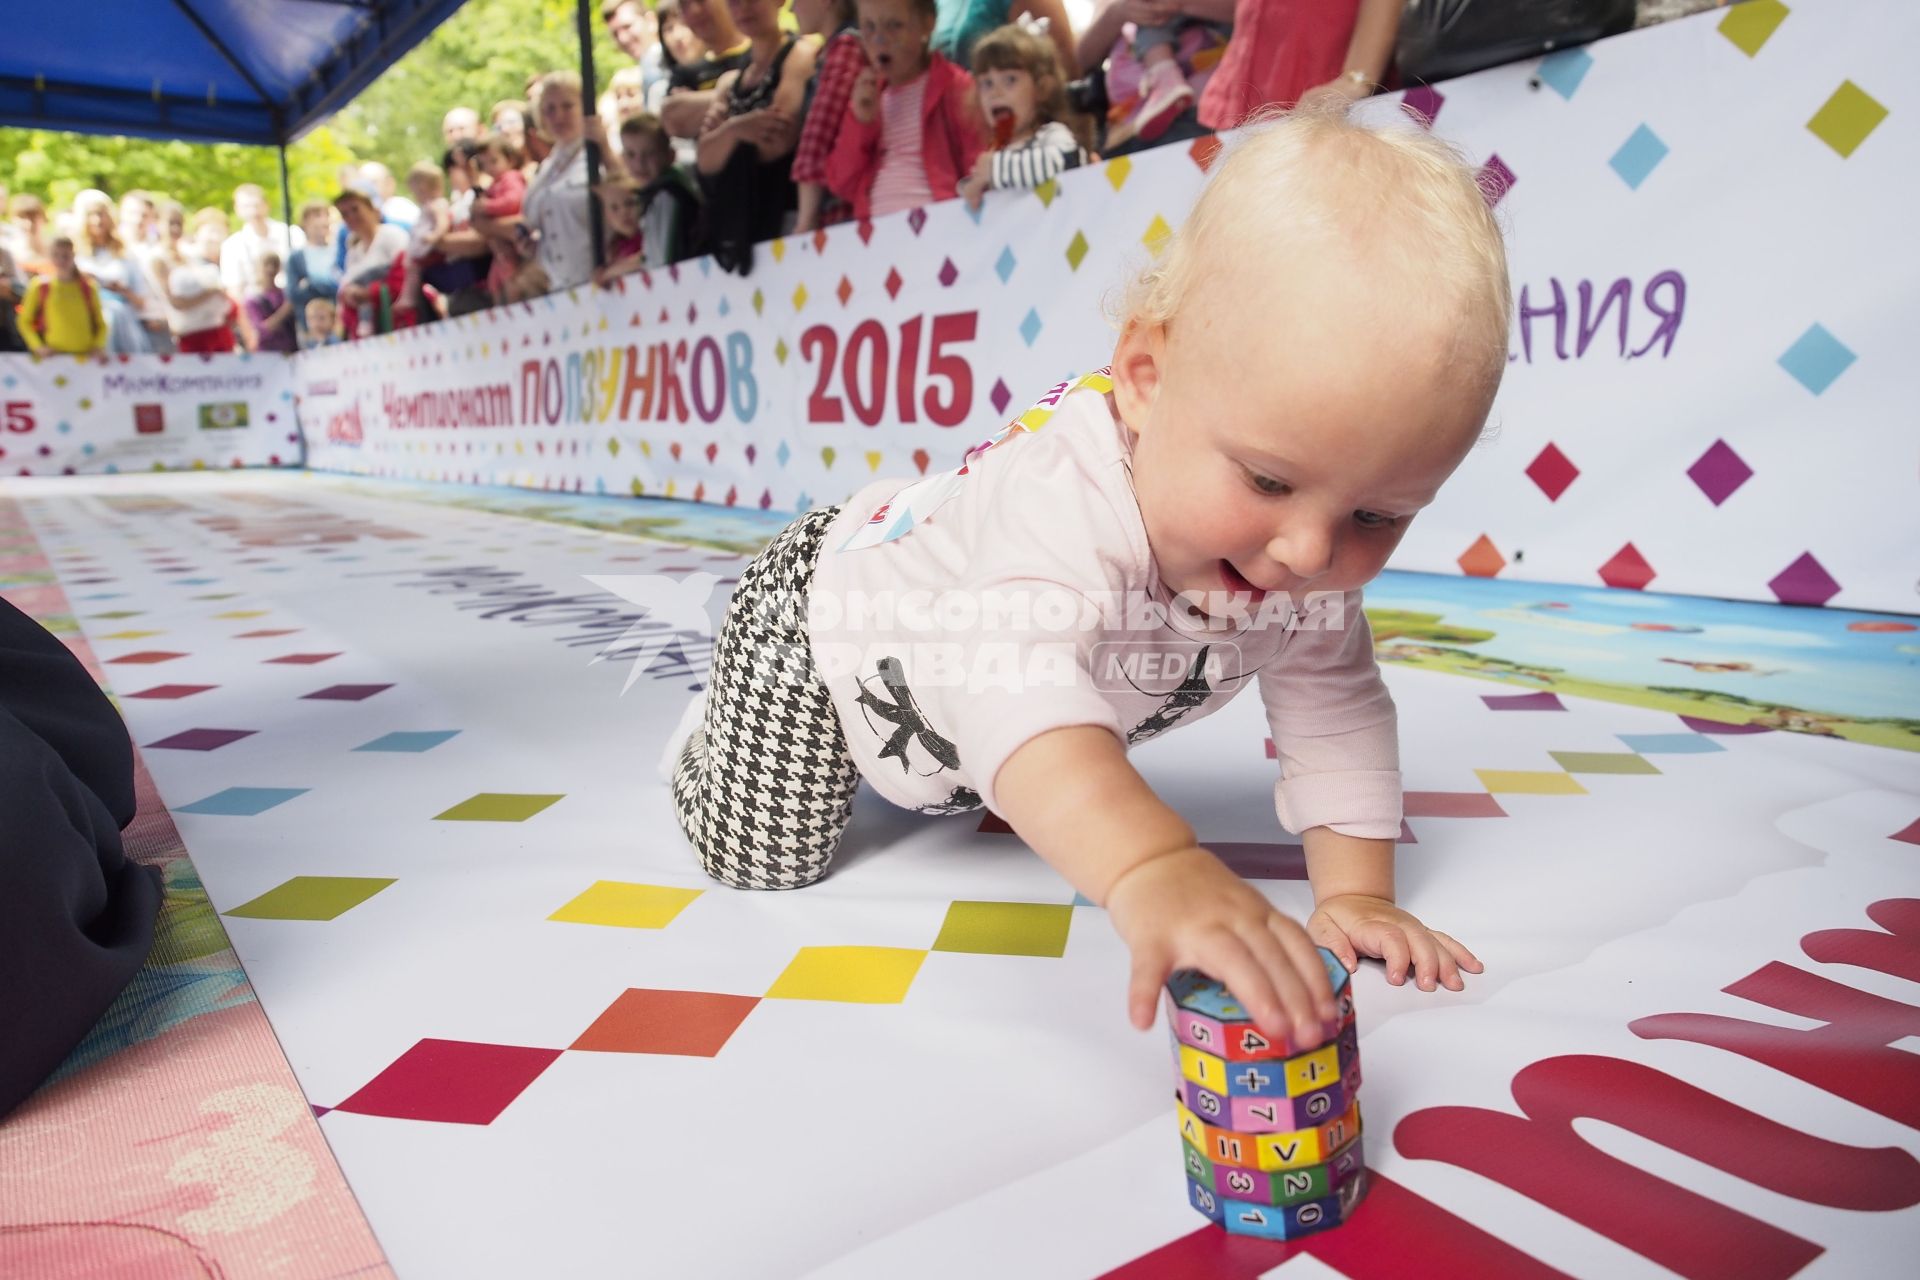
[[1023, 98], [1311, 356], [200, 312], [620, 210], [910, 134], [669, 196], [428, 186], [323, 322], [61, 313], [496, 213], [1164, 89], [270, 324], [842, 59]]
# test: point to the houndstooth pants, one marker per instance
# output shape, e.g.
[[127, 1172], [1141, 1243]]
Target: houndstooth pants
[[765, 787]]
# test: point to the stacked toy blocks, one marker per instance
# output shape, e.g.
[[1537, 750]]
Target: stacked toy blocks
[[1271, 1130]]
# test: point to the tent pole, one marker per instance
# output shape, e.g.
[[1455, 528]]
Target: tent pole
[[286, 202], [587, 98]]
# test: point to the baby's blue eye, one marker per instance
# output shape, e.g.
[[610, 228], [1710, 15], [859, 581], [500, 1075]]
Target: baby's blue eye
[[1268, 485], [1374, 520]]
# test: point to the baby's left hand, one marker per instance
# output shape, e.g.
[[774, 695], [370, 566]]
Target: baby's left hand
[[1352, 925]]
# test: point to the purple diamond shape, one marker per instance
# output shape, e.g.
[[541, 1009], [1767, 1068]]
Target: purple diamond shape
[[948, 273], [1495, 179], [1805, 581], [1719, 472], [1423, 103], [1542, 701], [201, 739], [999, 395], [917, 219], [346, 692]]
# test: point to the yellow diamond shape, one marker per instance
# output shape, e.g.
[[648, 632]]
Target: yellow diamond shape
[[873, 460], [1077, 249], [1529, 782], [669, 488], [1047, 191], [627, 906], [1846, 119], [646, 448], [1750, 25], [1117, 171], [244, 613], [779, 250], [636, 488], [856, 975], [131, 635], [1156, 237], [759, 301], [800, 297], [613, 446], [780, 350]]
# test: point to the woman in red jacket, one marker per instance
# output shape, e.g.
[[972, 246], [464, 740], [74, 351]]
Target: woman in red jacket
[[912, 130]]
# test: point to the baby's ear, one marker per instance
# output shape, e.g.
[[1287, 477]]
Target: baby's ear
[[1137, 371]]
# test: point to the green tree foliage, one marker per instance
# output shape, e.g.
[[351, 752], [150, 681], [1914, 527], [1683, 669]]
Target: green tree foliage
[[481, 55]]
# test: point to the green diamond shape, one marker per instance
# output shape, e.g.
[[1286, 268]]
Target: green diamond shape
[[1750, 25], [1846, 119], [312, 898], [1047, 191], [1077, 250], [1006, 928], [1602, 762], [780, 350], [496, 806]]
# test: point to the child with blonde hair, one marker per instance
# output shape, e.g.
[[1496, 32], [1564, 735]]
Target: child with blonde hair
[[1312, 355], [1023, 98]]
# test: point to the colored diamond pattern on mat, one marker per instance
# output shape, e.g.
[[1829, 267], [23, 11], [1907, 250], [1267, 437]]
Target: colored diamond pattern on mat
[[131, 635], [1562, 72], [1805, 581], [1030, 327], [1541, 701], [1845, 119], [243, 802], [173, 691], [147, 657], [1156, 235], [244, 613], [1451, 804], [1256, 860], [1627, 569], [118, 614], [999, 396], [1006, 928], [202, 739], [1638, 156], [262, 635], [1494, 179], [1118, 170], [1909, 834], [302, 659], [1530, 782], [1669, 744], [1423, 103], [312, 898], [1482, 559], [626, 906], [1601, 762], [1700, 724], [1815, 359], [1077, 249], [1552, 471], [409, 740], [345, 692], [692, 1024], [1719, 471], [893, 282], [497, 806], [1749, 26], [451, 1081], [853, 975]]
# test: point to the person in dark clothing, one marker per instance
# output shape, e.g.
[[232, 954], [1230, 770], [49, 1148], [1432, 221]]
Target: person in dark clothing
[[76, 916]]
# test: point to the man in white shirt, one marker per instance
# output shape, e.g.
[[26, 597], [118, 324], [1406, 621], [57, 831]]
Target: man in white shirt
[[258, 235], [393, 208]]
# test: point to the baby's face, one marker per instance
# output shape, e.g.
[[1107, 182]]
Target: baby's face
[[1293, 440]]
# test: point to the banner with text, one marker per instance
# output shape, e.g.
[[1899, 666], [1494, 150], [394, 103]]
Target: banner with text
[[1704, 390]]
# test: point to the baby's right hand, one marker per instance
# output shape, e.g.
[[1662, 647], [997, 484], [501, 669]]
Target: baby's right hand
[[866, 96], [1186, 910]]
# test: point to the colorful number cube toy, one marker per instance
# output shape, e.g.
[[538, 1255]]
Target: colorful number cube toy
[[1270, 1130]]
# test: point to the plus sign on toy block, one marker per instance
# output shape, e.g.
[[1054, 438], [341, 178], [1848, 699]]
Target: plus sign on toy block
[[1270, 1129]]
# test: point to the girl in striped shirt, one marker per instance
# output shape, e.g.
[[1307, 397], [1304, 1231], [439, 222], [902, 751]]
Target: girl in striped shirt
[[1023, 97]]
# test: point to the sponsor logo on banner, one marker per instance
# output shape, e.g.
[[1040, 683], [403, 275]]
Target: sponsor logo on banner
[[149, 419], [224, 415], [344, 428]]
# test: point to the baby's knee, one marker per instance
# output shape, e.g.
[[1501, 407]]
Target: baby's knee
[[748, 870]]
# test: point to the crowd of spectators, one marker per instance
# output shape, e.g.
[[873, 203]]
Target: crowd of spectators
[[736, 121]]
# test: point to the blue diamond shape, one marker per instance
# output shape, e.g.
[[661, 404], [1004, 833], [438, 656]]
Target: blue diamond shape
[[112, 469], [409, 741], [1668, 744], [706, 266], [194, 582], [783, 453], [87, 449], [974, 212], [1006, 263], [1030, 327], [1562, 72], [243, 802], [63, 427], [724, 308], [802, 502], [1638, 156], [1817, 359], [9, 382]]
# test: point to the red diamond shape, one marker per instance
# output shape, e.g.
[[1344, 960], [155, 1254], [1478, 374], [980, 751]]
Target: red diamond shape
[[866, 231], [147, 657], [1628, 569], [173, 691], [693, 1024], [820, 240], [845, 290], [1204, 150], [1482, 559], [893, 282], [302, 659], [262, 635], [452, 1081], [1552, 472]]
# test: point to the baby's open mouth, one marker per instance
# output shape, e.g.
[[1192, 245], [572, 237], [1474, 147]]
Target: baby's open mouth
[[1236, 581]]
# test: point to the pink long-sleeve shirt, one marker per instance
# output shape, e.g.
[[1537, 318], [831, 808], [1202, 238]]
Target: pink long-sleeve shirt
[[957, 617]]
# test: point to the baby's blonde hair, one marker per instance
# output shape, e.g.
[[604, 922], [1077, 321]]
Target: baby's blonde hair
[[1317, 176]]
